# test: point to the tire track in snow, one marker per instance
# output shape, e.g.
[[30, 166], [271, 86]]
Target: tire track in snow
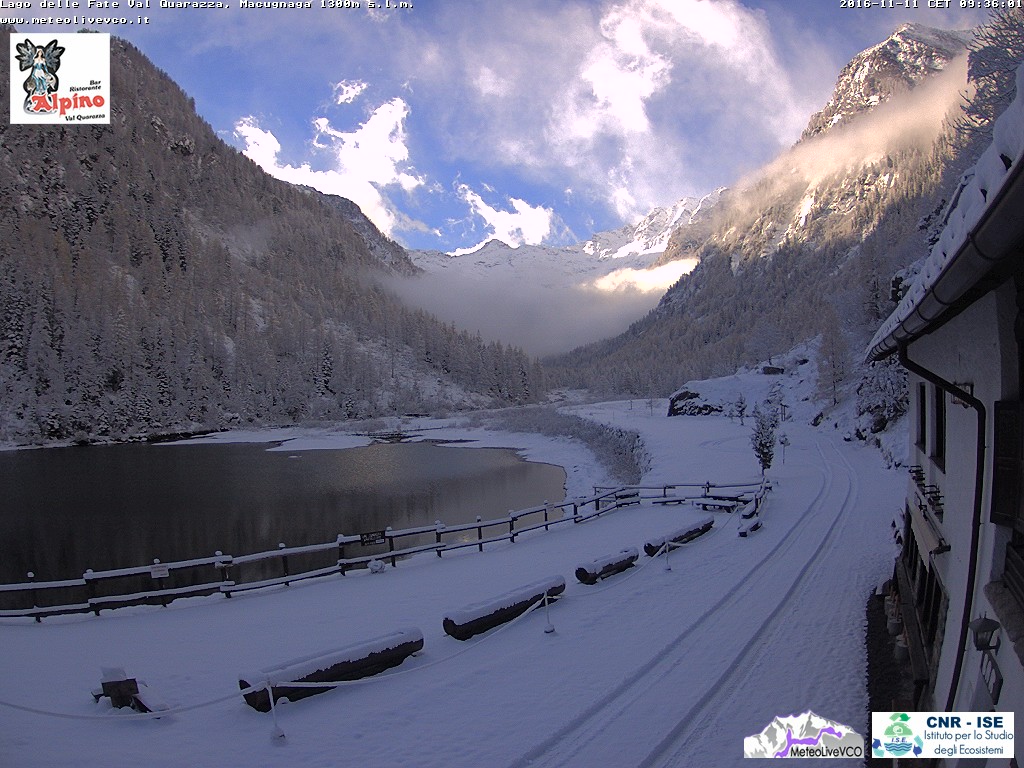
[[564, 743], [725, 688]]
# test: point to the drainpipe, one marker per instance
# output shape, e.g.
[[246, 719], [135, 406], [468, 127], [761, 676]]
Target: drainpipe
[[979, 487]]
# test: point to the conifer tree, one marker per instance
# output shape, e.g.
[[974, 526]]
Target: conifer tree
[[762, 438]]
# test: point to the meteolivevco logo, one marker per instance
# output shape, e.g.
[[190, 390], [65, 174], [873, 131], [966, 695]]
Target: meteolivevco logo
[[803, 736], [79, 93]]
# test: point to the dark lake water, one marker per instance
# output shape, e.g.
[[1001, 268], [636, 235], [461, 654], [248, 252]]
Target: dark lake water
[[64, 510]]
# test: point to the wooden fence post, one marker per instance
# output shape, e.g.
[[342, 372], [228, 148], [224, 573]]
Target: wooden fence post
[[479, 534], [32, 579], [438, 527], [225, 570], [92, 589], [284, 562], [391, 546], [511, 526], [159, 583]]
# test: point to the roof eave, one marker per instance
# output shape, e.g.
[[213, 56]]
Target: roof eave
[[992, 246]]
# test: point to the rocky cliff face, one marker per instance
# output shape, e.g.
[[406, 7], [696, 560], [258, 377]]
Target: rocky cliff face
[[896, 65]]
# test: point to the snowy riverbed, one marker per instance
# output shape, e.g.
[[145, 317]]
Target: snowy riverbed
[[650, 667]]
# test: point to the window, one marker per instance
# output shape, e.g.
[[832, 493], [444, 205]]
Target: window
[[922, 416], [1008, 464], [939, 428], [1013, 569]]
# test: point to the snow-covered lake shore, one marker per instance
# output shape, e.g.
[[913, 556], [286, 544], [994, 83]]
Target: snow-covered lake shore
[[650, 667]]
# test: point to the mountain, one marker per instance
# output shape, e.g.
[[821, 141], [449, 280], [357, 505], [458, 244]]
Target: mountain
[[813, 732], [153, 279], [811, 242], [651, 234], [896, 65], [632, 247], [389, 253]]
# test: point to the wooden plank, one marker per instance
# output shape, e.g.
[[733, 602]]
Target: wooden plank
[[27, 586], [138, 597]]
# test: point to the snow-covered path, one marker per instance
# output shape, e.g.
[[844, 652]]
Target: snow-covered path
[[768, 644], [653, 667]]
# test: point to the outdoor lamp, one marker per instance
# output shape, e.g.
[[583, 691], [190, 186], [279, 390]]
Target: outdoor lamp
[[983, 630]]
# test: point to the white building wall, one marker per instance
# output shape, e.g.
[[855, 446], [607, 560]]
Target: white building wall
[[976, 348]]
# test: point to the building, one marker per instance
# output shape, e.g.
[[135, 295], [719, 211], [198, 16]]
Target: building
[[959, 332]]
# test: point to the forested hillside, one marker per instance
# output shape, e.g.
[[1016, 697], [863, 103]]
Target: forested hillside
[[154, 279]]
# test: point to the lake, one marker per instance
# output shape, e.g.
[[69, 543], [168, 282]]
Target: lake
[[68, 509]]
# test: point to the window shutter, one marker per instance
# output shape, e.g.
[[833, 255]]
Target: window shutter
[[1007, 462]]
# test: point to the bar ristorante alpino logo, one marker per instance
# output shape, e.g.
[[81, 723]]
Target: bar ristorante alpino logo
[[63, 78]]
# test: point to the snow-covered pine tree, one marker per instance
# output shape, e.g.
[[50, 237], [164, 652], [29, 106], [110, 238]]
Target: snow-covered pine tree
[[740, 406], [762, 438], [993, 58]]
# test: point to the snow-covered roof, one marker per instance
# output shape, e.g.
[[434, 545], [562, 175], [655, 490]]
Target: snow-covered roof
[[984, 229]]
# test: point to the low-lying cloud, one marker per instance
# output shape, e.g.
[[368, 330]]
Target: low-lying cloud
[[654, 280], [543, 320], [915, 118]]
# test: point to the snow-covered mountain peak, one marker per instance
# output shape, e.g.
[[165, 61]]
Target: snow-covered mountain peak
[[649, 236], [630, 251], [911, 54]]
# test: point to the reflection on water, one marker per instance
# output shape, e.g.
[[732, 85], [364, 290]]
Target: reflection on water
[[69, 509]]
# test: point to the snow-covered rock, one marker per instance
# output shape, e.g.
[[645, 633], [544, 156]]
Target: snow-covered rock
[[911, 54]]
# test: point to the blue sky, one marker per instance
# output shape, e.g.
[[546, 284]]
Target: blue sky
[[457, 121]]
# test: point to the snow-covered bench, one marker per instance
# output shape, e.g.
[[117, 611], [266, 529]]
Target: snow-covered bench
[[748, 528], [485, 615], [603, 567], [351, 663], [670, 500], [624, 497], [748, 510], [689, 533], [722, 505]]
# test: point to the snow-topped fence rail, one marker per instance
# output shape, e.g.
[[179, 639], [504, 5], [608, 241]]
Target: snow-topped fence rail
[[160, 583]]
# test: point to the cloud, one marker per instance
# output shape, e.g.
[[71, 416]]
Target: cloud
[[543, 320], [655, 280], [348, 91], [619, 76], [523, 225], [489, 83], [633, 104], [364, 162], [914, 118]]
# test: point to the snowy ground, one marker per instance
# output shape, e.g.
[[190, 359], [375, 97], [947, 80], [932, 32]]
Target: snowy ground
[[653, 667]]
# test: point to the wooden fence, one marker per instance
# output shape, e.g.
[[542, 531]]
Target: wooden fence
[[160, 583]]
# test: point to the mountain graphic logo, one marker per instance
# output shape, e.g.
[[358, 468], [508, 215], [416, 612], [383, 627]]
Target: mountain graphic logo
[[801, 736]]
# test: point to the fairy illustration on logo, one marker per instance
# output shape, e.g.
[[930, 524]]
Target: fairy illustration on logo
[[44, 61]]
